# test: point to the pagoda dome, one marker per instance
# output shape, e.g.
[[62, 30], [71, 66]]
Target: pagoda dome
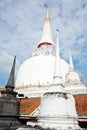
[[39, 70]]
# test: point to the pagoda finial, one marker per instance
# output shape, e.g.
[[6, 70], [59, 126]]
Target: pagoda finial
[[71, 66], [47, 18], [10, 82], [57, 69]]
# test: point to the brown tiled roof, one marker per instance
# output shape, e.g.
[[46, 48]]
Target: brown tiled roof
[[81, 104], [28, 105]]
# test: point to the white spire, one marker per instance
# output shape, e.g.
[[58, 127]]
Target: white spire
[[71, 66], [46, 34], [57, 69]]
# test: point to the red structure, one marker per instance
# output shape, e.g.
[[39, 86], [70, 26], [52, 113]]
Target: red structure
[[28, 105]]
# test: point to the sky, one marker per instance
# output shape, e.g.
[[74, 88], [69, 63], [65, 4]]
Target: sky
[[21, 24]]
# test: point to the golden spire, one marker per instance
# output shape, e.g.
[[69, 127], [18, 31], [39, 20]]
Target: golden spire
[[47, 18]]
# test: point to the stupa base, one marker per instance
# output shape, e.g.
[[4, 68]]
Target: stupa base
[[56, 123]]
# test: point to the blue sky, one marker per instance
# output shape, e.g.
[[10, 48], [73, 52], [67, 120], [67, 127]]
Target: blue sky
[[21, 23]]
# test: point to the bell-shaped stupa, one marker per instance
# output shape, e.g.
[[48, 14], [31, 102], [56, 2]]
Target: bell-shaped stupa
[[57, 109]]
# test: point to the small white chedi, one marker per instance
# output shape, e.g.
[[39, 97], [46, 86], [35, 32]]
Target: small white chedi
[[57, 109]]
